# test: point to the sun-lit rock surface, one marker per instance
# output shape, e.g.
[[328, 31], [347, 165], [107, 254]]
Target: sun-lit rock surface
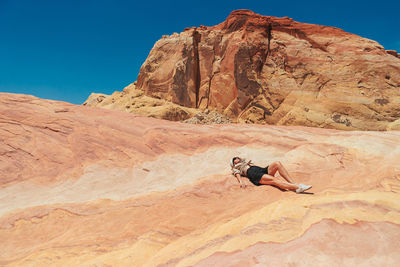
[[135, 101], [265, 69], [84, 186]]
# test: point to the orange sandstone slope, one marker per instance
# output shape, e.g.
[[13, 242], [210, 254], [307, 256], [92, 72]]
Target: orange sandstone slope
[[88, 186], [264, 69]]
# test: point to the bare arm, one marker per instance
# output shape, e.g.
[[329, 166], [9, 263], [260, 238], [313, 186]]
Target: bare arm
[[237, 175]]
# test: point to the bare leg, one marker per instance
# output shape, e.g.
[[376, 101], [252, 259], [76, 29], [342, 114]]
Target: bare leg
[[277, 166], [271, 180]]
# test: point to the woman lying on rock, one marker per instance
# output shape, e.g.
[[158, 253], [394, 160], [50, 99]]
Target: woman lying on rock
[[259, 176]]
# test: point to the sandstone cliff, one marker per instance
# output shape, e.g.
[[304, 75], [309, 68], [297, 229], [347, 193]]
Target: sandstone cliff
[[263, 69], [84, 186]]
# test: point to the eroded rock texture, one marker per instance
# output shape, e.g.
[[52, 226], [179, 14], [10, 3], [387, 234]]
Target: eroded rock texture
[[135, 101], [264, 69], [84, 186]]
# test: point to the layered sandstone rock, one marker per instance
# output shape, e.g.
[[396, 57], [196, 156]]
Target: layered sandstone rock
[[393, 53], [135, 101], [263, 69], [84, 186]]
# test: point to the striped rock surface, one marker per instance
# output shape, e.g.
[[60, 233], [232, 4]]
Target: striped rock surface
[[87, 186]]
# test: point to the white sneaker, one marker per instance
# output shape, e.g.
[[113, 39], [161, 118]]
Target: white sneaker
[[302, 188]]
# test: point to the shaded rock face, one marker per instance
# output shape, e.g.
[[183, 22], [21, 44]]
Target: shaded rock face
[[264, 69], [86, 186]]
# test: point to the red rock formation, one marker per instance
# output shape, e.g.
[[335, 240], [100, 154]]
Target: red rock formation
[[273, 70], [84, 186], [393, 53]]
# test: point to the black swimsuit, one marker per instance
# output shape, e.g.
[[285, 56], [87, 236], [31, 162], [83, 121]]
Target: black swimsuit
[[254, 173]]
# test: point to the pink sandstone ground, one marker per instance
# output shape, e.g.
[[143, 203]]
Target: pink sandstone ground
[[85, 186]]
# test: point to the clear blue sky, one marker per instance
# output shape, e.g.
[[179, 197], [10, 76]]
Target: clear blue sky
[[66, 49]]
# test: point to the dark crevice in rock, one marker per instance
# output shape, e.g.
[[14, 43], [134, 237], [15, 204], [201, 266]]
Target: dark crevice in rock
[[265, 54], [269, 36], [209, 89], [196, 65], [322, 86], [215, 51], [266, 111]]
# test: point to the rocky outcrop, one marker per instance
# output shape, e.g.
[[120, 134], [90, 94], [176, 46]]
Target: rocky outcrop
[[263, 69], [84, 186], [393, 53], [135, 101]]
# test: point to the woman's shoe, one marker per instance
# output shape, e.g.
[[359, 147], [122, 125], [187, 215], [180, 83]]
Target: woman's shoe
[[302, 188]]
